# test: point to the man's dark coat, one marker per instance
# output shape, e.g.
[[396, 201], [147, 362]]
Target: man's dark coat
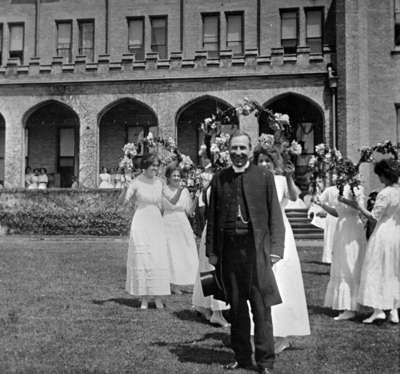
[[266, 220]]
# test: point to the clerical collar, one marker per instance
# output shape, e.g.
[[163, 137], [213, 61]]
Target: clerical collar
[[242, 169]]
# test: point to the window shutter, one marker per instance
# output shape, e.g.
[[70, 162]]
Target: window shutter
[[135, 37], [289, 25], [314, 24], [234, 33], [210, 29], [16, 38]]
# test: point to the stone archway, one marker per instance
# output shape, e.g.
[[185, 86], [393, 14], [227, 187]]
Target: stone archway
[[307, 126], [52, 141], [189, 118], [2, 147], [123, 121]]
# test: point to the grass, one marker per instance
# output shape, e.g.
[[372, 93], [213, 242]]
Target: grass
[[64, 310]]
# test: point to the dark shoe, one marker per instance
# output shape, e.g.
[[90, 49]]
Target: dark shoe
[[236, 366]]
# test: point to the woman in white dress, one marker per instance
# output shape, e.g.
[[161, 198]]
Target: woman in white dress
[[380, 274], [28, 177], [105, 179], [181, 243], [43, 180], [347, 255], [34, 180], [328, 197], [290, 318], [147, 263], [210, 308]]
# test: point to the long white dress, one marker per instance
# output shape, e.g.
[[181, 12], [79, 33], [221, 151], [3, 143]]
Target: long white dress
[[198, 298], [380, 274], [290, 318], [181, 244], [328, 197], [147, 263], [347, 256]]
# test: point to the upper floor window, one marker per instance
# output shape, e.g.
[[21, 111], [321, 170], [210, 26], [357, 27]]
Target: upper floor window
[[86, 39], [234, 33], [136, 37], [159, 39], [64, 40], [289, 30], [1, 44], [314, 22], [211, 34], [397, 22], [16, 46]]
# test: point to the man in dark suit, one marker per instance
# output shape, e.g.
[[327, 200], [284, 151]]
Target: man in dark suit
[[245, 236]]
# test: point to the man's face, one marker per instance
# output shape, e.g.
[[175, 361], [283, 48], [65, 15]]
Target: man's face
[[239, 150]]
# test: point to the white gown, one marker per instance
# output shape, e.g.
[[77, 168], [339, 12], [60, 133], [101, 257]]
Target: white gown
[[328, 197], [181, 243], [105, 181], [380, 274], [198, 298], [347, 256], [147, 263], [290, 318]]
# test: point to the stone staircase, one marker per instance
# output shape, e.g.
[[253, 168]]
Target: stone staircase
[[302, 227]]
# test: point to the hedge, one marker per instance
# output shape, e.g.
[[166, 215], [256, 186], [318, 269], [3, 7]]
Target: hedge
[[64, 212]]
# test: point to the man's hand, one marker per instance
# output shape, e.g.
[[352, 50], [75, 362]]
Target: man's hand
[[213, 260], [274, 259]]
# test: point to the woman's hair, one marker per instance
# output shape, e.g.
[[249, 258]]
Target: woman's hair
[[170, 169], [147, 160], [27, 169], [272, 154], [388, 168]]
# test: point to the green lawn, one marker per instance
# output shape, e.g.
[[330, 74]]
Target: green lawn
[[64, 310]]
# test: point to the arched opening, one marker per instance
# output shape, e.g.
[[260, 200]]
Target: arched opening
[[52, 142], [307, 127], [2, 147], [122, 122], [191, 115]]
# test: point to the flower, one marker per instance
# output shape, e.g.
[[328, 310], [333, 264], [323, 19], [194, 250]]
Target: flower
[[202, 150], [295, 148], [321, 149], [282, 118], [129, 149], [214, 148], [266, 140]]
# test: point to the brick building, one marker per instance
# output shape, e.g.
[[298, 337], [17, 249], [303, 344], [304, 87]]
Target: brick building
[[78, 79]]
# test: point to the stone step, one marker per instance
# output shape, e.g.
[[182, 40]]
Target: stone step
[[309, 236]]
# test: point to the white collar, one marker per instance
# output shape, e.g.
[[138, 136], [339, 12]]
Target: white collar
[[242, 169]]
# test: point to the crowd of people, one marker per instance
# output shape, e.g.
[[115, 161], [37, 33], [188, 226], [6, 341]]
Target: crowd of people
[[365, 258], [36, 178]]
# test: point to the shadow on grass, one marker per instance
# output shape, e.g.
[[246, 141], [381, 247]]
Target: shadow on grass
[[195, 316], [202, 351], [318, 309], [316, 272], [132, 303]]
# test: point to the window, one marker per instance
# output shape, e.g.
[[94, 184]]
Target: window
[[314, 22], [1, 44], [397, 22], [234, 33], [136, 37], [86, 39], [211, 34], [17, 41], [159, 36], [64, 40], [289, 31]]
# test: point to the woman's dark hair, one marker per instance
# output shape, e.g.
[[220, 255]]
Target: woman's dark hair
[[147, 160], [388, 168], [170, 169]]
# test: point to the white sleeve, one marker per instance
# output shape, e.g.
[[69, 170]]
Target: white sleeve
[[381, 204]]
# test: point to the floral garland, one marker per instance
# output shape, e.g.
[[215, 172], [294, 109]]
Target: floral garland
[[276, 121], [323, 162]]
